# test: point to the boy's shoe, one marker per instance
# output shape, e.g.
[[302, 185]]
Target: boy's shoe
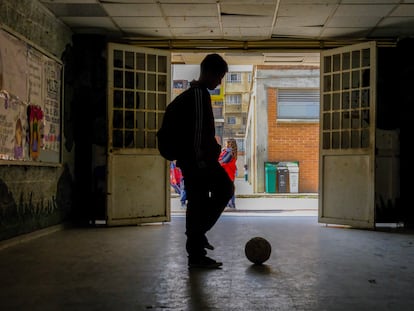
[[208, 246], [204, 262]]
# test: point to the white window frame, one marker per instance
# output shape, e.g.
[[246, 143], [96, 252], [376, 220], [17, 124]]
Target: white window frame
[[234, 77], [234, 99], [298, 104]]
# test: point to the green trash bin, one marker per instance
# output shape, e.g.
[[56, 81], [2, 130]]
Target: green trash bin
[[270, 176]]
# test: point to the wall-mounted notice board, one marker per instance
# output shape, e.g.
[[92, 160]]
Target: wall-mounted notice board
[[30, 103]]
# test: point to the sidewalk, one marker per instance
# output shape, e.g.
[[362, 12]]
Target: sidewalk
[[281, 204]]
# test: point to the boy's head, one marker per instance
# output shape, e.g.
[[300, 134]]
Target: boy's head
[[212, 70]]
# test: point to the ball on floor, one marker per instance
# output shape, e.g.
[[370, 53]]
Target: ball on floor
[[258, 250]]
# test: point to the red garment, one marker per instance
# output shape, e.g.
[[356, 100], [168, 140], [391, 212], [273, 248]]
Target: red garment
[[230, 166]]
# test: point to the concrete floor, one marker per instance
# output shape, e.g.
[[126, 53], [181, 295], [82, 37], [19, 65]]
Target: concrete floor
[[312, 267]]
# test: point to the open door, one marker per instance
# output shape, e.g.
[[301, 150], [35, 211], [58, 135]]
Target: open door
[[137, 176], [347, 136]]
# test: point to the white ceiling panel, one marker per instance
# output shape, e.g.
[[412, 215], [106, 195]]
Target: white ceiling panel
[[148, 32], [344, 32], [248, 32], [304, 21], [197, 33], [321, 10], [404, 10], [364, 10], [246, 9], [239, 19], [246, 21], [135, 10], [298, 32], [355, 21], [198, 9], [89, 22], [405, 23], [193, 22], [144, 22]]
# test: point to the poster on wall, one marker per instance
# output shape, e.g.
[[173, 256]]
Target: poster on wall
[[13, 123], [30, 102], [13, 65], [51, 129]]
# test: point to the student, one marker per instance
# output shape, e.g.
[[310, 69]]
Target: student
[[208, 187], [228, 160]]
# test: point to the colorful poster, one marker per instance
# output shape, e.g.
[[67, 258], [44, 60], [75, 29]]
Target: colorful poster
[[13, 60], [13, 128], [34, 76], [51, 130]]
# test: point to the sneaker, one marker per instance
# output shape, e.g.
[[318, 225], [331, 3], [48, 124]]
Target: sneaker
[[208, 246], [204, 262]]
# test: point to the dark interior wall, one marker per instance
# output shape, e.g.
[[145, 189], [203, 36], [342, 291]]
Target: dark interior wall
[[86, 81], [395, 98], [404, 93], [35, 197]]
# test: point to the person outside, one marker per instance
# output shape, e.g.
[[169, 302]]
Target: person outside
[[175, 178], [228, 159], [208, 187]]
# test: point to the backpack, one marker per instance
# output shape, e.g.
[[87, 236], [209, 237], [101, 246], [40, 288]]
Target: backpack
[[167, 135]]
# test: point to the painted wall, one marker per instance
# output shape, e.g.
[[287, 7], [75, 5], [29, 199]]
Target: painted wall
[[34, 197], [271, 141]]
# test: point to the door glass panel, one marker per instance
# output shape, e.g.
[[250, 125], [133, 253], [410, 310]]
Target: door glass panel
[[129, 99], [152, 120], [345, 81], [151, 140], [129, 139], [152, 82], [152, 63], [140, 100], [140, 120], [345, 140], [335, 140], [337, 62], [162, 64], [118, 99], [140, 57], [129, 119], [140, 82], [346, 61], [129, 80], [366, 58], [355, 99], [327, 83], [365, 138], [162, 102], [327, 64], [336, 82], [335, 120], [346, 90], [129, 60], [346, 123], [118, 119], [365, 98], [326, 140], [345, 100], [151, 101], [355, 140], [162, 83], [356, 59], [326, 121], [365, 77], [355, 79], [336, 101], [118, 59], [118, 78], [140, 137]]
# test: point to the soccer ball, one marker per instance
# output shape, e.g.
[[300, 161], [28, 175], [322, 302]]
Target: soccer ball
[[258, 250]]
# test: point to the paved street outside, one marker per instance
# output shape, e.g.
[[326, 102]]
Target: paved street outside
[[247, 202]]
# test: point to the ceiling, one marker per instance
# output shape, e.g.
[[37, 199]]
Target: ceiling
[[240, 25]]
